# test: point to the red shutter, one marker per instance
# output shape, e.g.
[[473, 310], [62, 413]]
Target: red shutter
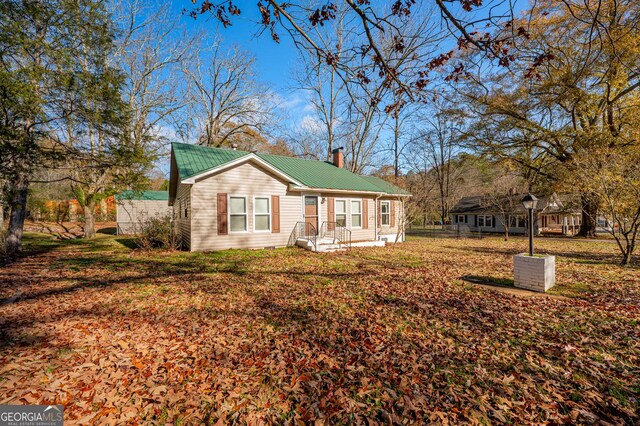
[[223, 228], [331, 212], [393, 213], [275, 214], [379, 215], [365, 213]]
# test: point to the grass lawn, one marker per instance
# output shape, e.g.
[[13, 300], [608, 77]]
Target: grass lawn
[[376, 335]]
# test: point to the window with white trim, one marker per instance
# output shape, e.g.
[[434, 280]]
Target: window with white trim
[[262, 214], [461, 218], [238, 214], [385, 213], [517, 221], [356, 213], [485, 221], [341, 212]]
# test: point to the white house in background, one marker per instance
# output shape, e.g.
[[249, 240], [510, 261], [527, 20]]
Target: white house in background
[[224, 198], [134, 208], [555, 214]]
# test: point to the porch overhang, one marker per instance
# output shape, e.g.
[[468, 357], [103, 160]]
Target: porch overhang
[[298, 188]]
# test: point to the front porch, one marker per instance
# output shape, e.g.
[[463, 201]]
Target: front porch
[[331, 236], [559, 223]]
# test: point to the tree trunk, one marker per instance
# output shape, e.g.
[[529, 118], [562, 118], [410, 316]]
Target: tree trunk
[[589, 215], [89, 219], [104, 210], [18, 205], [628, 252], [395, 155]]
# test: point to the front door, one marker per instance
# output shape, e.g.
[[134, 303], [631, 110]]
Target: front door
[[311, 214]]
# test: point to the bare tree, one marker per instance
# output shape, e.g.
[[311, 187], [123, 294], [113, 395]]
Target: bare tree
[[228, 102], [503, 198], [373, 22], [400, 141], [151, 55], [307, 139], [438, 144], [363, 126], [350, 108], [423, 188], [367, 118], [322, 81]]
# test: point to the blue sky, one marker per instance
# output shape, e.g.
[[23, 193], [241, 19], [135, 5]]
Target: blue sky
[[274, 61]]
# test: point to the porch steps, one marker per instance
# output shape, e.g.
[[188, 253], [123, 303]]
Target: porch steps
[[328, 245], [323, 245]]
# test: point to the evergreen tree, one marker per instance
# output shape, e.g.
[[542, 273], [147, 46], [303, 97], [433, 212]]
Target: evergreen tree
[[53, 72]]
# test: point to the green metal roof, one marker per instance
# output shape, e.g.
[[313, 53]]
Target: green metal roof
[[195, 159], [143, 195], [387, 187], [192, 160], [319, 174]]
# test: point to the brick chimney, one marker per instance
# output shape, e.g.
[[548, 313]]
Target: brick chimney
[[338, 158]]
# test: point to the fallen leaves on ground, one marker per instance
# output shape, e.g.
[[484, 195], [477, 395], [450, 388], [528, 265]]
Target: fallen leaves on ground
[[378, 335]]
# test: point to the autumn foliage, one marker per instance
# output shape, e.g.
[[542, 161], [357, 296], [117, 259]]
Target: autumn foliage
[[384, 335]]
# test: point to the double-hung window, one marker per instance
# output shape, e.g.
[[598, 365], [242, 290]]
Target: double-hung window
[[262, 214], [341, 212], [485, 221], [517, 221], [356, 213], [461, 218], [238, 214], [385, 213]]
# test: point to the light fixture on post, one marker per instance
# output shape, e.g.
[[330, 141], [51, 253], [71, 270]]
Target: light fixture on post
[[530, 202], [533, 273]]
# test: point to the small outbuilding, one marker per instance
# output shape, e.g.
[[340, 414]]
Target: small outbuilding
[[134, 208]]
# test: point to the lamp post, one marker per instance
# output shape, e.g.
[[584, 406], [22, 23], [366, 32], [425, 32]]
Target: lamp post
[[530, 202]]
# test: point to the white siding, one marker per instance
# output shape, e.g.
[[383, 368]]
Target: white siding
[[131, 214], [244, 180], [249, 180], [183, 200], [391, 232], [357, 234]]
